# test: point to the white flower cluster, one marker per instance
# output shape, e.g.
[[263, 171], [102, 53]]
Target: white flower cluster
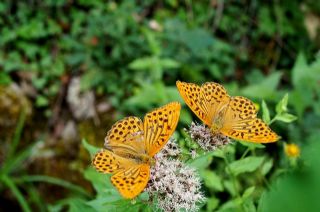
[[173, 185], [205, 138]]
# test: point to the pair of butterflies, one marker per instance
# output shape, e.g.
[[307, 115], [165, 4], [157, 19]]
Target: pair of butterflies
[[131, 144]]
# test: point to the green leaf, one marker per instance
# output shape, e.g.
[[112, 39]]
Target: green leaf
[[266, 167], [143, 63], [79, 205], [42, 101], [265, 112], [212, 180], [248, 164], [299, 70], [101, 183], [16, 192], [266, 89], [248, 192], [252, 145], [249, 206], [169, 63], [91, 149], [51, 180], [282, 105], [229, 185], [202, 161], [5, 78], [286, 117], [212, 203]]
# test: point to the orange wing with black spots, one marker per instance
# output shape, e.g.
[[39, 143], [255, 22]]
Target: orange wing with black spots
[[237, 114], [106, 161], [159, 125], [191, 94], [217, 98], [126, 134], [241, 122], [132, 181], [130, 142]]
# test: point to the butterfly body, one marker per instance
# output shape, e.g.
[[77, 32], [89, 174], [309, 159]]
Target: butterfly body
[[235, 117], [139, 158], [218, 121], [131, 145]]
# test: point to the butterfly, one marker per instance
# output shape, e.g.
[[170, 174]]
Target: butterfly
[[233, 116], [131, 145]]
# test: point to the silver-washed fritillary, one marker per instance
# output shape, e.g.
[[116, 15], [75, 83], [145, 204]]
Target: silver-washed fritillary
[[131, 145], [235, 117]]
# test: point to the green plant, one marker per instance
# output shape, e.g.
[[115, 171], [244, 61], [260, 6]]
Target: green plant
[[13, 178]]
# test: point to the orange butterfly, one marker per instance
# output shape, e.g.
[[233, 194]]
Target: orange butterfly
[[235, 117], [131, 145]]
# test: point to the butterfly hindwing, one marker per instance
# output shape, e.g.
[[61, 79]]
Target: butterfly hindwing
[[254, 130], [131, 182], [159, 125], [106, 161], [240, 122]]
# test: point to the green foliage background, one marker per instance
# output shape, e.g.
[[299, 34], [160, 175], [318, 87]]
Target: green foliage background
[[130, 53]]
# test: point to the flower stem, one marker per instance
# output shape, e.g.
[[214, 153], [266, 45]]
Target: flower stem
[[234, 181]]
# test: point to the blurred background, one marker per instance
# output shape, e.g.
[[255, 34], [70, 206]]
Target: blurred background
[[70, 68]]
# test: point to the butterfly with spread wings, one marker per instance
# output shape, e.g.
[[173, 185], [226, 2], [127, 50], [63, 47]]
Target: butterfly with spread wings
[[131, 145], [233, 116]]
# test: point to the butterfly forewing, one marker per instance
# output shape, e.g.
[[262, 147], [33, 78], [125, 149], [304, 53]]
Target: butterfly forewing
[[131, 182], [191, 94], [126, 135], [159, 125]]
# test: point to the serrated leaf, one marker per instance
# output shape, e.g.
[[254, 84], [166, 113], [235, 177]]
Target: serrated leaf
[[282, 105], [248, 164], [265, 112]]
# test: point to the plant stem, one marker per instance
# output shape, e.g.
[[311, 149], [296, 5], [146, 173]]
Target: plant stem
[[14, 189], [52, 180], [272, 120], [17, 134], [234, 180], [245, 153]]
